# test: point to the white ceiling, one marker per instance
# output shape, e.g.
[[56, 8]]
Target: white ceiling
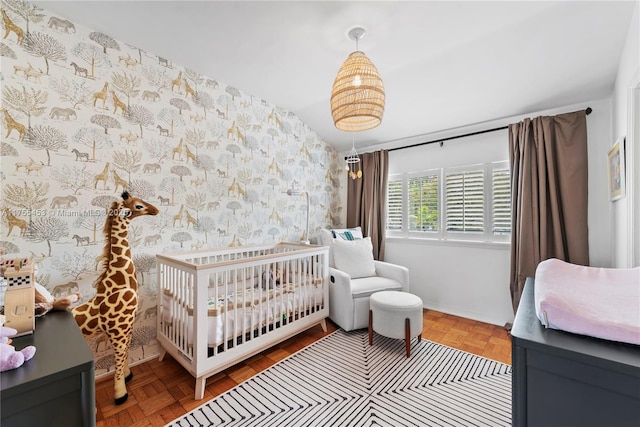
[[444, 64]]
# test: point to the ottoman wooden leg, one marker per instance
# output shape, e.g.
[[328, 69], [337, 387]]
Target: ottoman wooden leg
[[370, 327], [407, 335]]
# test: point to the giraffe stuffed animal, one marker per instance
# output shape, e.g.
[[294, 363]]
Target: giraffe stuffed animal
[[112, 310]]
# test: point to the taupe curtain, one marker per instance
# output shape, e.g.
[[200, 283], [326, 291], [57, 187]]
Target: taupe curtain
[[548, 158], [367, 199]]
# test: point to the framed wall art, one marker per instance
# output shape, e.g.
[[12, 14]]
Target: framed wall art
[[616, 163]]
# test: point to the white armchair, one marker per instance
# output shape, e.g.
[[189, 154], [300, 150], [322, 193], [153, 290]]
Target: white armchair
[[349, 298], [354, 275]]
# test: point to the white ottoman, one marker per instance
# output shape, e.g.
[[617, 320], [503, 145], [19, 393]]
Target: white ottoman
[[395, 314]]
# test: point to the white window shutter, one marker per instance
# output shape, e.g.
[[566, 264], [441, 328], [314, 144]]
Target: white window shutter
[[394, 205], [501, 188], [464, 198], [423, 203]]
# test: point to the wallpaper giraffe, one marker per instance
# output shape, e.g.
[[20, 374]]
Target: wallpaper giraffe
[[85, 116]]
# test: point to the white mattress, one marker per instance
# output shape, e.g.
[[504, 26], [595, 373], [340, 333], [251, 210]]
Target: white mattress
[[252, 308], [599, 302]]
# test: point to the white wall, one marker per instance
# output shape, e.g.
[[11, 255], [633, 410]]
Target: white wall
[[446, 275], [633, 175], [598, 143], [625, 212], [472, 279], [465, 280]]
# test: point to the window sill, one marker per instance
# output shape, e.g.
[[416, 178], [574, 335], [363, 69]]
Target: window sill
[[449, 242]]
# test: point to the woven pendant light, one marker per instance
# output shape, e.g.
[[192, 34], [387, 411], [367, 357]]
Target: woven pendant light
[[357, 97]]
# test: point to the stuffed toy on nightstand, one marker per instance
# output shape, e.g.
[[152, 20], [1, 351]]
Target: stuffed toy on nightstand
[[45, 302], [9, 357]]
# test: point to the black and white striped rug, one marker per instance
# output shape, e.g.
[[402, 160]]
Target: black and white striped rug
[[342, 381]]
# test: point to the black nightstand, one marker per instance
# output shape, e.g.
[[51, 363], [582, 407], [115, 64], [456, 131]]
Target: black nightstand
[[565, 379], [56, 387]]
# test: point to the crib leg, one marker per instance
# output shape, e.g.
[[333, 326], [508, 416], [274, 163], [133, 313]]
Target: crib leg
[[323, 325], [200, 383], [163, 353]]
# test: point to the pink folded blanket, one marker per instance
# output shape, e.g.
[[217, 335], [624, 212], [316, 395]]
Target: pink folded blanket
[[599, 302]]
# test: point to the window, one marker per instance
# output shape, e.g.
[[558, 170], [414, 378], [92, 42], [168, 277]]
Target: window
[[501, 201], [423, 203], [420, 205], [394, 205], [461, 203], [465, 201]]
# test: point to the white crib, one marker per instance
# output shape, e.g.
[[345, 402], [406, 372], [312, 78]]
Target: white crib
[[218, 307]]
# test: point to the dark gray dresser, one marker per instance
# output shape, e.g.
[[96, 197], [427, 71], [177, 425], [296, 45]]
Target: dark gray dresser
[[56, 387], [564, 379]]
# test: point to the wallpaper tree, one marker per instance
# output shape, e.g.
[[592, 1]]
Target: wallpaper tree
[[105, 122], [29, 102], [144, 264], [47, 229], [46, 138], [159, 149], [75, 264], [181, 105], [206, 164], [126, 83], [44, 46], [141, 116], [196, 201], [128, 161], [92, 56], [142, 188], [29, 197], [93, 138], [105, 41], [157, 77], [195, 137], [27, 11], [73, 92], [172, 118], [204, 101], [205, 225], [92, 223], [73, 178]]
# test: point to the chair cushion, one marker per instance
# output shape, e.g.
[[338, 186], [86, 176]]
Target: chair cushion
[[354, 257], [326, 239], [327, 236], [395, 301], [354, 233], [366, 286]]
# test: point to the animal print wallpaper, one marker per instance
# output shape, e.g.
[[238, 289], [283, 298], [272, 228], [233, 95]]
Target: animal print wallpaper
[[86, 116]]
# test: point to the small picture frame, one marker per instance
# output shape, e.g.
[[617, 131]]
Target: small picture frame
[[616, 163]]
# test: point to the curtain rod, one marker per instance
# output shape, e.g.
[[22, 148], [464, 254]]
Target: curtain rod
[[587, 111]]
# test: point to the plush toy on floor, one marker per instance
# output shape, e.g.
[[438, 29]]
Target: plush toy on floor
[[9, 357], [113, 308]]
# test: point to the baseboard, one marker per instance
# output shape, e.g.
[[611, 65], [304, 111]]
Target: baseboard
[[110, 374], [467, 314]]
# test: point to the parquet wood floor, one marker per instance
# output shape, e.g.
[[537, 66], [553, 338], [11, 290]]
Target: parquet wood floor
[[162, 391]]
